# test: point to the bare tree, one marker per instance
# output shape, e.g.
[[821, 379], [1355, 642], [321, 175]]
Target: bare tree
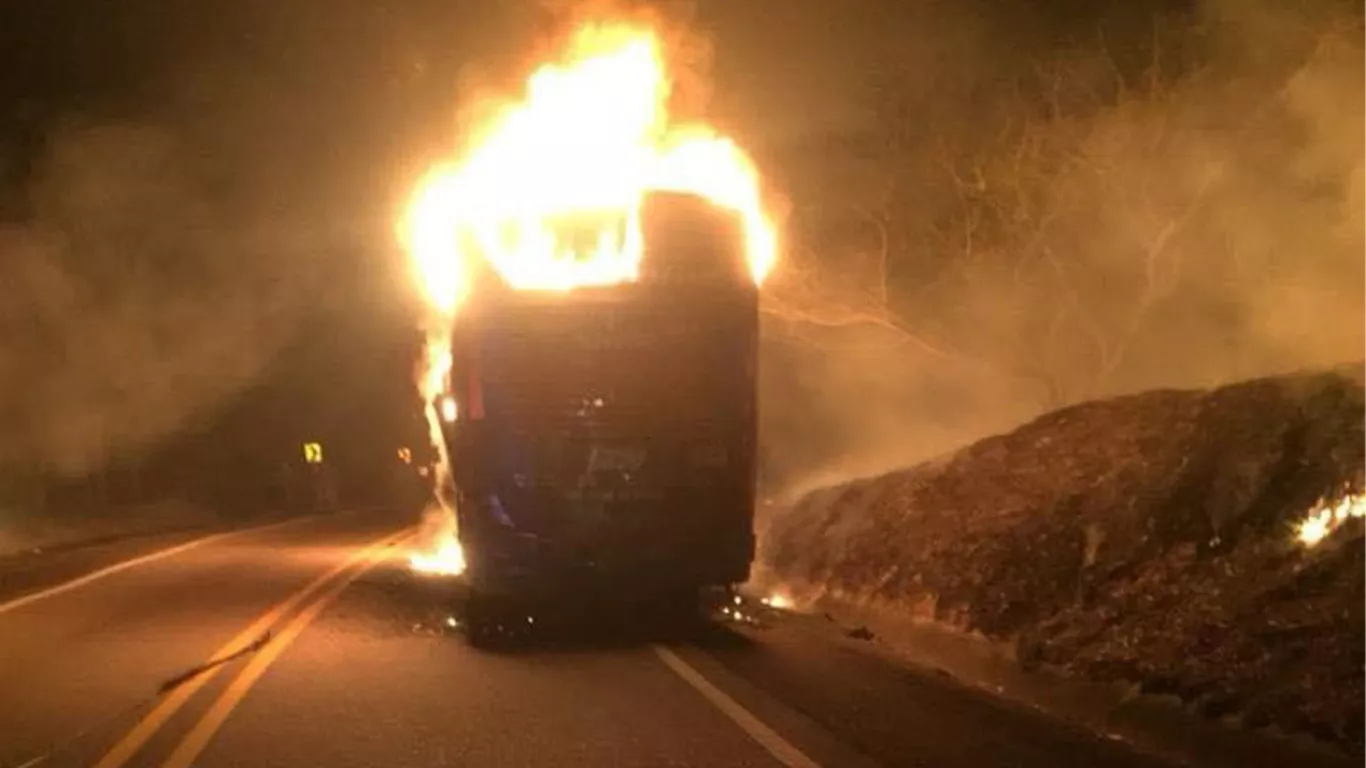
[[1057, 234]]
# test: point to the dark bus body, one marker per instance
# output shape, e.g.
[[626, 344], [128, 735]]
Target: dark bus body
[[605, 442]]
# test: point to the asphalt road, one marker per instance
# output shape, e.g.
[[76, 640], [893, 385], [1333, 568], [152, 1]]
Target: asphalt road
[[360, 666]]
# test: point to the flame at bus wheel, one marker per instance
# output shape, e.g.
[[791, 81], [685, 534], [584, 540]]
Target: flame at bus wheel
[[549, 196], [437, 545], [438, 549]]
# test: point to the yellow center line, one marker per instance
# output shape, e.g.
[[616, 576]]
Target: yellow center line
[[204, 730], [128, 746]]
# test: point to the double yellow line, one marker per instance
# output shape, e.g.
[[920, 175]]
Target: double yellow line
[[326, 588]]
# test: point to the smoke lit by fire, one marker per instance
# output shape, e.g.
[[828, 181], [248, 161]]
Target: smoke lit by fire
[[590, 137]]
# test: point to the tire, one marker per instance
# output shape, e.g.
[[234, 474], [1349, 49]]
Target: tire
[[495, 622], [482, 626], [674, 611]]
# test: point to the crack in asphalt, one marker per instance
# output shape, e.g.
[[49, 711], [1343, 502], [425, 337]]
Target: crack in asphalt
[[166, 686], [184, 677]]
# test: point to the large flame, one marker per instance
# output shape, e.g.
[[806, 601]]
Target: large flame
[[550, 191]]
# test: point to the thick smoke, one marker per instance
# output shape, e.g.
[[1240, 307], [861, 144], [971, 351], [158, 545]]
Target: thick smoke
[[1037, 219], [133, 303], [167, 226]]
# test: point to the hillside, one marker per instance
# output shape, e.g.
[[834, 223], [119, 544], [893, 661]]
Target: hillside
[[1206, 544]]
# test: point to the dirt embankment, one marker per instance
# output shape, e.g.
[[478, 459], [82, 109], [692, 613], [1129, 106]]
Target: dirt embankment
[[1151, 538]]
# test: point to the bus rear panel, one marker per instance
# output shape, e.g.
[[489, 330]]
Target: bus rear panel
[[606, 438]]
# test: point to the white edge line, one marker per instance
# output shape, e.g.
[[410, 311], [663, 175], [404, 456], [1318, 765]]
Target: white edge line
[[80, 581], [769, 739]]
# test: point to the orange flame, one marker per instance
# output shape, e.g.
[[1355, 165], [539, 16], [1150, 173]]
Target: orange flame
[[446, 558], [591, 136]]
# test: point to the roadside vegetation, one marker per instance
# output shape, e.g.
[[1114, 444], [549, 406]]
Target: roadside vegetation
[[1201, 543]]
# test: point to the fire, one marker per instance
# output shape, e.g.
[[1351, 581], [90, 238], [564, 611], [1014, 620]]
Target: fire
[[779, 601], [448, 559], [549, 194], [438, 551], [433, 380], [1325, 518]]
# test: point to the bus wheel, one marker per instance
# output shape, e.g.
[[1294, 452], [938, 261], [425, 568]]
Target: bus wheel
[[483, 629]]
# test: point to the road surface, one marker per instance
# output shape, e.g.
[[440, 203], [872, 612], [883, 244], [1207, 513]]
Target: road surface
[[337, 655]]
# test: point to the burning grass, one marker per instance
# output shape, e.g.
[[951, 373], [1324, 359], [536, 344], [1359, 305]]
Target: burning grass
[[1207, 544]]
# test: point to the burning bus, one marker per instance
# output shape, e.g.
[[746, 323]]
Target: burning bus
[[594, 270], [603, 439]]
